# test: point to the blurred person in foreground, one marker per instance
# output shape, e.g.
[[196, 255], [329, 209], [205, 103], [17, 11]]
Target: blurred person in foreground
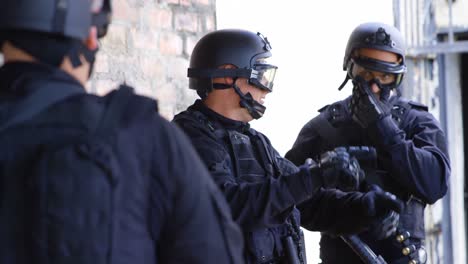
[[89, 179]]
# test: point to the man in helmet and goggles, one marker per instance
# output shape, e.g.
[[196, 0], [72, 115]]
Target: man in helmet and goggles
[[231, 72], [89, 179], [412, 159]]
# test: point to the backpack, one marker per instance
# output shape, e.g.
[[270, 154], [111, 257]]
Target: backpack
[[57, 205]]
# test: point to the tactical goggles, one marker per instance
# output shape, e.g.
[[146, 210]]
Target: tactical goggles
[[387, 73], [262, 76]]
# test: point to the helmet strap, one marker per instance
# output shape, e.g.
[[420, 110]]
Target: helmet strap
[[344, 82], [221, 86], [90, 56], [255, 109]]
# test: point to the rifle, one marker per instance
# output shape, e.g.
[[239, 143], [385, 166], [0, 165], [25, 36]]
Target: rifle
[[365, 253], [362, 250]]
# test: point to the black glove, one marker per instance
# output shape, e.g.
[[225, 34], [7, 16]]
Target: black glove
[[337, 169], [366, 107], [364, 210], [358, 211], [377, 203], [386, 225]]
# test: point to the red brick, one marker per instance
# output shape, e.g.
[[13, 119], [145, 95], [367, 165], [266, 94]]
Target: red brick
[[143, 39], [177, 67], [185, 2], [152, 67], [190, 44], [115, 39], [166, 96], [203, 2], [122, 11], [170, 44], [170, 1], [159, 18], [210, 23], [143, 87], [102, 63], [186, 22]]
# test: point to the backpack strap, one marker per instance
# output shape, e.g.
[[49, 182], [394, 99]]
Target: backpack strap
[[40, 100], [114, 111]]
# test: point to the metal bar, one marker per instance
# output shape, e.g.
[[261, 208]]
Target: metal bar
[[456, 47], [446, 213], [396, 14], [413, 42], [427, 22], [418, 25], [407, 37], [450, 34]]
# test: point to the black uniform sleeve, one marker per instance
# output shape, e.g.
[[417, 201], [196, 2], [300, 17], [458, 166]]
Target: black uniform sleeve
[[262, 203], [306, 145], [334, 212], [192, 221], [419, 158], [327, 209]]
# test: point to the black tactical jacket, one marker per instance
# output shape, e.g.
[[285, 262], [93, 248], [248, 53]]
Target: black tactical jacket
[[167, 208], [262, 187]]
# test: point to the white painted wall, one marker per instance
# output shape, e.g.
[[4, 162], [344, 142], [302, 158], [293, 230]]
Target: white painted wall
[[308, 40]]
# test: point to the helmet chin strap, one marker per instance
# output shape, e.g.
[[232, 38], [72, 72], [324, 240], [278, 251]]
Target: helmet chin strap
[[89, 55], [344, 82], [255, 109]]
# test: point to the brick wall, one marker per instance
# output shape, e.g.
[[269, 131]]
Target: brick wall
[[148, 46]]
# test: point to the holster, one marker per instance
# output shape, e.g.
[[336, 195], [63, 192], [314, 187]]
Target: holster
[[291, 250], [292, 255]]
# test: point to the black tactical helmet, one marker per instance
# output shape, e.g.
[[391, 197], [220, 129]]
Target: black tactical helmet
[[379, 36], [241, 48], [51, 29], [68, 18]]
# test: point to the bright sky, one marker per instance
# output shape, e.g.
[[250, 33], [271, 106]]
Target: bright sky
[[308, 40]]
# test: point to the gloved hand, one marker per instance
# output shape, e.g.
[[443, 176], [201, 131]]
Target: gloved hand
[[361, 210], [382, 209], [366, 107], [386, 225], [337, 169]]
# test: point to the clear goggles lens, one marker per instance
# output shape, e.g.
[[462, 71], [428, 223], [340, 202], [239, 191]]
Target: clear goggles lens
[[263, 76], [368, 75]]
